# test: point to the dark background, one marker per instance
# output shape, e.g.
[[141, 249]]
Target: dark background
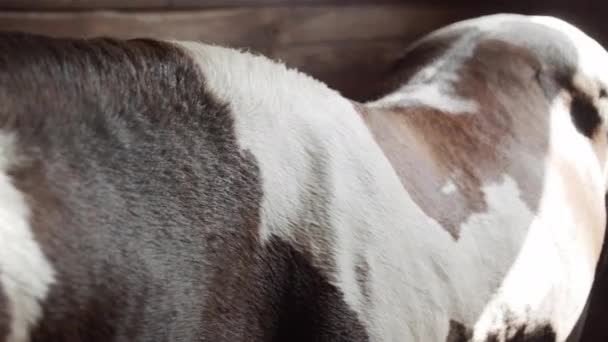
[[349, 44]]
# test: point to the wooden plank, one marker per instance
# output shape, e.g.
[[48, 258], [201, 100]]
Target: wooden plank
[[81, 4], [247, 26], [176, 4], [241, 27], [510, 6]]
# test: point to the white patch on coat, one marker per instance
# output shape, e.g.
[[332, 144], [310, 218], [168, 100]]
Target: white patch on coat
[[551, 278], [448, 188], [429, 95], [434, 86], [422, 277], [591, 56], [25, 273]]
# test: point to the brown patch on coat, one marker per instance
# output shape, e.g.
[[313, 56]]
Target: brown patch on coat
[[507, 136], [5, 317], [513, 330], [458, 332], [540, 333]]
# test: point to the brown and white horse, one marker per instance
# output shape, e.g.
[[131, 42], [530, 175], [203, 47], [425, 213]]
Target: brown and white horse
[[176, 191], [497, 132]]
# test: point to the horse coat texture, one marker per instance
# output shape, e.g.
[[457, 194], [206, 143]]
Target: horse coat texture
[[177, 191]]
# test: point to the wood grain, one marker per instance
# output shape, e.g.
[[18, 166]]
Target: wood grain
[[201, 4], [172, 4], [242, 26], [351, 47], [328, 42], [494, 6]]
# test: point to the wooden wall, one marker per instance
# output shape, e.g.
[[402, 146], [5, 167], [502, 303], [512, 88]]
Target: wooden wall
[[349, 44]]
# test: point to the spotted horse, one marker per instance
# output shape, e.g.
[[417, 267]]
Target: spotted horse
[[177, 191]]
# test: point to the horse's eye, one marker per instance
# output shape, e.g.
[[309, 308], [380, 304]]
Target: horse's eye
[[603, 93]]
